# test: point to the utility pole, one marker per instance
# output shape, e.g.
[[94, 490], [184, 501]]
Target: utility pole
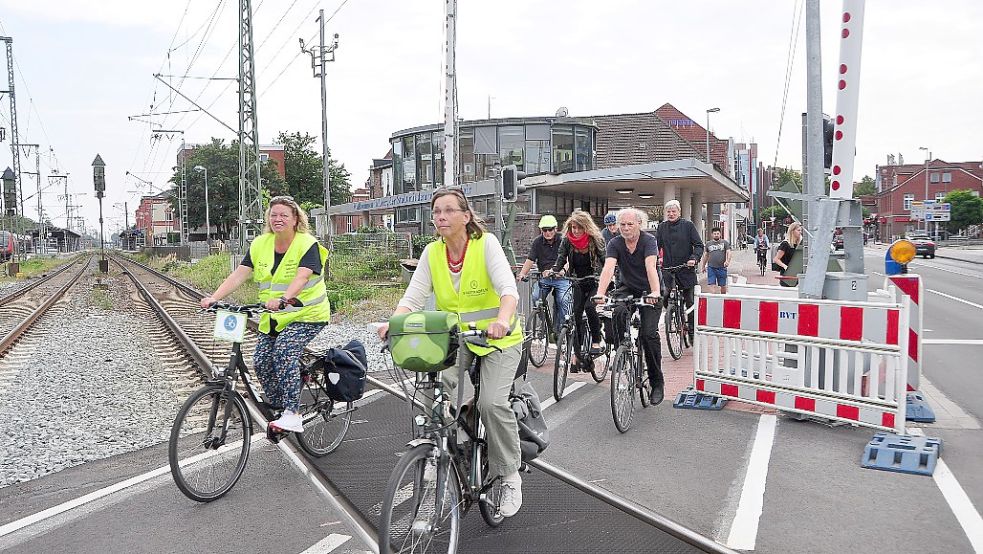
[[320, 56], [813, 181], [182, 199], [450, 94], [14, 135], [37, 174], [250, 186]]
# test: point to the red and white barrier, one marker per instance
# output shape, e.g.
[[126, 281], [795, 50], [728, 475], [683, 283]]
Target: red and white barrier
[[833, 359], [910, 286]]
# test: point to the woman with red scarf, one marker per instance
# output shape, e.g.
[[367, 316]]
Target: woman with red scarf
[[582, 251]]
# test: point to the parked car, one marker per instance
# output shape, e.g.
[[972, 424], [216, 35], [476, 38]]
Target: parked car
[[924, 245]]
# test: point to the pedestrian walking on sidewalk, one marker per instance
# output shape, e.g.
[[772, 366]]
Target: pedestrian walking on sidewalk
[[716, 260]]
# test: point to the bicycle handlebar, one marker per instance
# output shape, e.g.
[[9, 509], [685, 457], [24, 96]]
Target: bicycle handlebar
[[676, 268], [249, 309]]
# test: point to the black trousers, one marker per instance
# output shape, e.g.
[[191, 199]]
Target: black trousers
[[648, 333], [582, 294]]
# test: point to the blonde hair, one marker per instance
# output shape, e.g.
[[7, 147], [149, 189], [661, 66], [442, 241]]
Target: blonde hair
[[475, 227], [788, 233], [640, 216], [586, 222], [302, 226]]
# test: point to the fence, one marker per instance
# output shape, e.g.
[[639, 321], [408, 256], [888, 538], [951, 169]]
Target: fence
[[835, 360], [368, 256]]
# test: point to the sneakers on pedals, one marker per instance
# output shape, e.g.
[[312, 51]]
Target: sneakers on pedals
[[511, 495], [289, 421]]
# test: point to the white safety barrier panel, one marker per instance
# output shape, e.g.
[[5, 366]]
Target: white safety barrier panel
[[839, 360], [910, 286]]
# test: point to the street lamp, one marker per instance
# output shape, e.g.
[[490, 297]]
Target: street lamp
[[208, 224], [709, 111], [928, 158]]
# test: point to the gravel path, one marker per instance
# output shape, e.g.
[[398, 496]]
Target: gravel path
[[94, 390]]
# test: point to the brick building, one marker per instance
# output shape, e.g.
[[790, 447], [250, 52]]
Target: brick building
[[899, 185], [157, 220]]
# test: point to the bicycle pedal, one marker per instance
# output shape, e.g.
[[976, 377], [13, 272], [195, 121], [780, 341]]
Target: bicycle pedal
[[275, 436], [524, 468]]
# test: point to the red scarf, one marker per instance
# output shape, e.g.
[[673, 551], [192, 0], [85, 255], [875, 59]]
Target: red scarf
[[579, 243]]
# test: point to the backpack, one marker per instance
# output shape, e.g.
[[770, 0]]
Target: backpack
[[423, 341], [534, 435], [344, 371]]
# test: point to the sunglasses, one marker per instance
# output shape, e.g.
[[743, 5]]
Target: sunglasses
[[548, 229], [276, 199]]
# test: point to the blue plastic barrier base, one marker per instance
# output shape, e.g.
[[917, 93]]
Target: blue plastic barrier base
[[917, 409], [902, 453], [690, 399]]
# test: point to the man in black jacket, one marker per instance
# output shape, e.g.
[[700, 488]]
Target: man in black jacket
[[681, 245]]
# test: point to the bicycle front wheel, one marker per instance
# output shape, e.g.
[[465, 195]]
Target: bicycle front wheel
[[622, 389], [561, 366], [537, 338], [421, 510], [209, 443], [674, 330], [600, 371], [641, 377], [488, 502]]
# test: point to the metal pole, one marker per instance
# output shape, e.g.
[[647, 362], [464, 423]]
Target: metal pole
[[325, 167], [814, 185], [708, 136], [208, 221], [450, 95]]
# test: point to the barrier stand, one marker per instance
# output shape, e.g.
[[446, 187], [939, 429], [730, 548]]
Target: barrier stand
[[909, 285], [836, 360]]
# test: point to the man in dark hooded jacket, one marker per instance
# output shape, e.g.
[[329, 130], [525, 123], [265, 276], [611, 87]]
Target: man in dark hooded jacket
[[681, 245]]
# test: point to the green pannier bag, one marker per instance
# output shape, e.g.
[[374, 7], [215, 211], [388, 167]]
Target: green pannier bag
[[423, 341]]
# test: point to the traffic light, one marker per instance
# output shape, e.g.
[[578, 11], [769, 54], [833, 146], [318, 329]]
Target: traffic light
[[510, 183], [827, 142]]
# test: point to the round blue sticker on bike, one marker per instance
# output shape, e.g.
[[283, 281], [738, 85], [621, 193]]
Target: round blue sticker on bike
[[230, 322]]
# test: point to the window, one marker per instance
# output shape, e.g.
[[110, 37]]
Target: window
[[466, 145], [584, 158], [437, 143], [511, 144], [562, 148], [424, 160], [908, 199], [934, 177], [947, 177], [409, 165], [408, 215], [537, 148], [264, 158], [397, 167], [939, 197], [350, 223]]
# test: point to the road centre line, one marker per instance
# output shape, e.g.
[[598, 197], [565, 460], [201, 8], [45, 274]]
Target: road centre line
[[744, 528], [950, 297], [957, 499], [327, 544]]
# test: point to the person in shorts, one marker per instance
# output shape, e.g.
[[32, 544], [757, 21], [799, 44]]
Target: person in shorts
[[716, 259]]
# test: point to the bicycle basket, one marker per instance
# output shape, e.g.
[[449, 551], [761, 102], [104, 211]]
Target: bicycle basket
[[423, 341]]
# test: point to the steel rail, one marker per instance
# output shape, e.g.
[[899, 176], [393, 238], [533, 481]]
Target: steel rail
[[16, 333], [22, 291]]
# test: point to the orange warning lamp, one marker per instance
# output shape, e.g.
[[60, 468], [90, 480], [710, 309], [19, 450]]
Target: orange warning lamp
[[902, 251]]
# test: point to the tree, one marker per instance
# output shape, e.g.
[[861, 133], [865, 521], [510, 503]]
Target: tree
[[305, 175], [222, 162], [967, 209], [865, 187]]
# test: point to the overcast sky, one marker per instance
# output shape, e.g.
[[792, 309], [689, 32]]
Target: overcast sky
[[84, 66]]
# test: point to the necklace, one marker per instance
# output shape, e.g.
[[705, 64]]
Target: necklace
[[457, 265]]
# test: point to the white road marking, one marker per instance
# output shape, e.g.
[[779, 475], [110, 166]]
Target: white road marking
[[966, 342], [950, 297], [744, 528], [327, 544], [106, 491], [566, 392], [957, 499]]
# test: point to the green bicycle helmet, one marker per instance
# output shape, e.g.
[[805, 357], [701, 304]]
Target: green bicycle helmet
[[547, 221]]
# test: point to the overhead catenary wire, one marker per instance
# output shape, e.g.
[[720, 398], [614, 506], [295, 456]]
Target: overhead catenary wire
[[797, 12]]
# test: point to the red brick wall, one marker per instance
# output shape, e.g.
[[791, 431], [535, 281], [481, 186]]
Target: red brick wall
[[890, 203]]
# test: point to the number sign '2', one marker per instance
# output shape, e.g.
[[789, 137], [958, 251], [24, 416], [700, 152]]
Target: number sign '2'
[[229, 326]]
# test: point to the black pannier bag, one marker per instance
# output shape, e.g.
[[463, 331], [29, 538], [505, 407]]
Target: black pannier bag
[[344, 371], [534, 435]]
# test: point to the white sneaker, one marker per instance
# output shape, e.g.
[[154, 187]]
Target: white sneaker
[[430, 470], [289, 421], [511, 495]]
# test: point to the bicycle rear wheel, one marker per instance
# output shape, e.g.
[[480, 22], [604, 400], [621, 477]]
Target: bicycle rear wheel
[[561, 366], [489, 501], [674, 330], [537, 338], [209, 443], [411, 520], [761, 266], [641, 377], [622, 389], [599, 373], [326, 422]]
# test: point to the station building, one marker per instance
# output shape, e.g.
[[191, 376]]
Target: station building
[[596, 163]]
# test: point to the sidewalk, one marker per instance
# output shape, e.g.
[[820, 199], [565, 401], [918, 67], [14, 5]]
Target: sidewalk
[[961, 253]]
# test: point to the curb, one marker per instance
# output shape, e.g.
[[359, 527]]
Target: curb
[[978, 262]]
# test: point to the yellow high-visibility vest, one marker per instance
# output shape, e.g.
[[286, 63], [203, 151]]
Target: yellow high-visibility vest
[[314, 295]]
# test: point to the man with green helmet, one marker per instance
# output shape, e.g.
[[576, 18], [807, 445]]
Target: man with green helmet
[[543, 252]]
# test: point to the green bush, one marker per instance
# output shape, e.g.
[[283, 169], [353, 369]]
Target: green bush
[[420, 242]]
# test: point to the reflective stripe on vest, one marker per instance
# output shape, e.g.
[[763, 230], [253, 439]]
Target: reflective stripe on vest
[[475, 301], [311, 283]]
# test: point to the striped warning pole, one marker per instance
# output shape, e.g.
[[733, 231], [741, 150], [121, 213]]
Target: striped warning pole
[[910, 286]]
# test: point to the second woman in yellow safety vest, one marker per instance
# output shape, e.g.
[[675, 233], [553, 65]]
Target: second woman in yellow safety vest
[[468, 273], [286, 262]]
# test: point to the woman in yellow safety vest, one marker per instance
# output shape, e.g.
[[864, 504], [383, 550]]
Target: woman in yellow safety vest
[[286, 262], [466, 270]]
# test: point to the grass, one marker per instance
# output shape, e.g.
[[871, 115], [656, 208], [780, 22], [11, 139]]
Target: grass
[[100, 298], [35, 266]]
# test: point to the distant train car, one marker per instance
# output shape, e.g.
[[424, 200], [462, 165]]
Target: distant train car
[[7, 244]]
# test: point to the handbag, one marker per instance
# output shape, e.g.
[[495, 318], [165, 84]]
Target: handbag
[[534, 435], [344, 371]]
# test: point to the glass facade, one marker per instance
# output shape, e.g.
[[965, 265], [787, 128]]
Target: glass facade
[[538, 146]]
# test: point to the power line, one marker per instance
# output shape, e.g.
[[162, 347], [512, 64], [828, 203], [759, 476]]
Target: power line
[[789, 63]]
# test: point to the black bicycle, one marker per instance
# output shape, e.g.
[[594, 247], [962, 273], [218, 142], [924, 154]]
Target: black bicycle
[[539, 328], [677, 324], [445, 471], [762, 260], [568, 341], [628, 373], [213, 431]]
